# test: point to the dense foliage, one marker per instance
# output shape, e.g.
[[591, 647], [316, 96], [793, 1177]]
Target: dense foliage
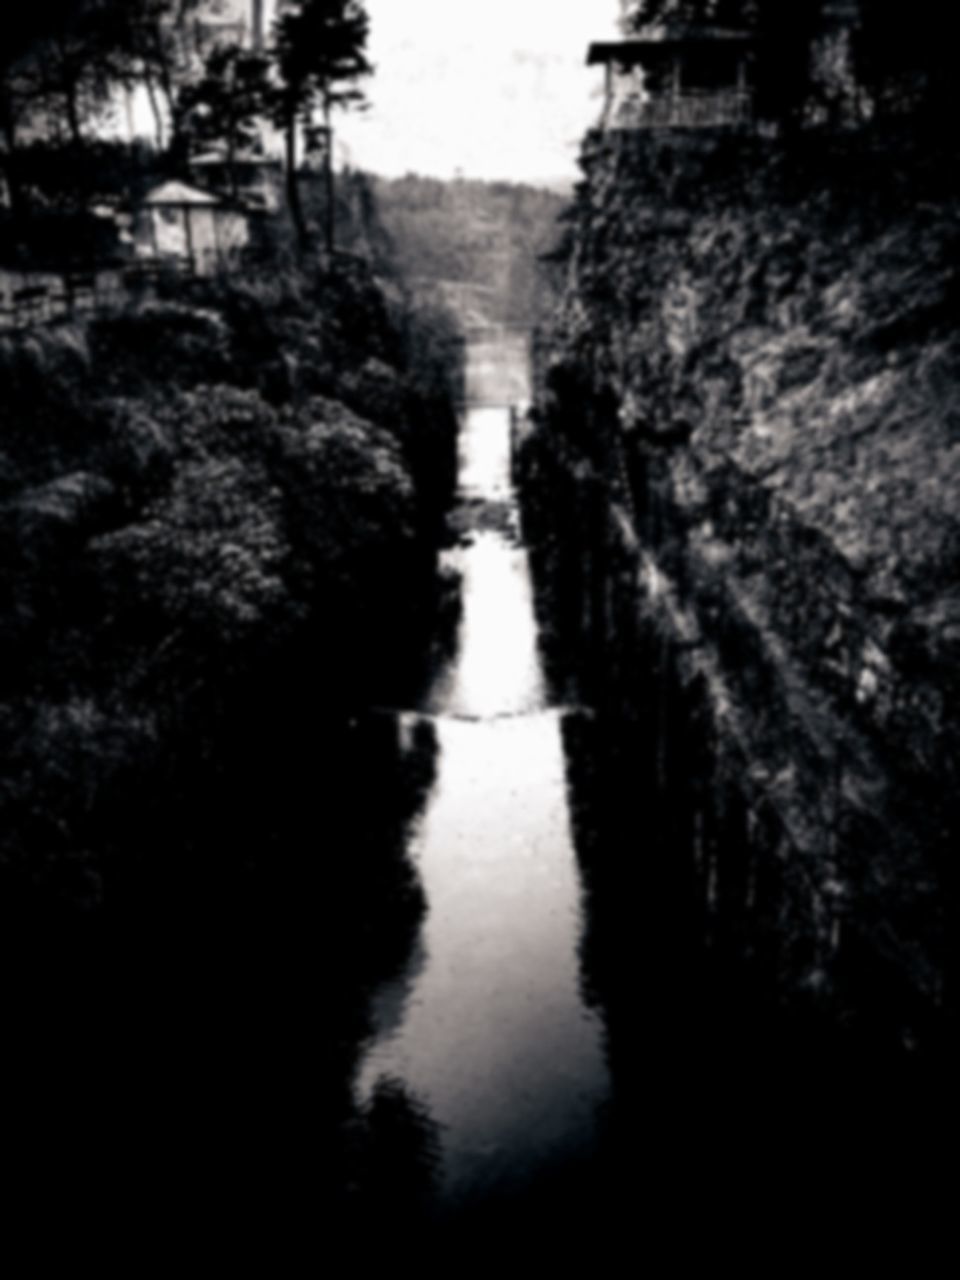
[[220, 510], [319, 53], [205, 500], [219, 517]]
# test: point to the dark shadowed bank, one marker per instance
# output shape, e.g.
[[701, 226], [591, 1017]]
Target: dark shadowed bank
[[219, 514], [739, 490]]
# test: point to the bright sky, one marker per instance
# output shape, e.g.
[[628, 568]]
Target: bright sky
[[494, 89]]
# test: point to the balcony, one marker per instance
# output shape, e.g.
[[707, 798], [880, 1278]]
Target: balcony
[[690, 109]]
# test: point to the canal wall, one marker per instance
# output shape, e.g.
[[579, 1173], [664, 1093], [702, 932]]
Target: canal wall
[[740, 486]]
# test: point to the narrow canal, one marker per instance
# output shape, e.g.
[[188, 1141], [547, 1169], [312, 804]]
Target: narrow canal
[[487, 1033]]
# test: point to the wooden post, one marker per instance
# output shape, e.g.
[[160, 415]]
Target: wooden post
[[189, 230], [675, 91], [128, 112]]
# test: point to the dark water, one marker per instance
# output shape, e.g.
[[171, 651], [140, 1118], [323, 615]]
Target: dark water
[[488, 1033]]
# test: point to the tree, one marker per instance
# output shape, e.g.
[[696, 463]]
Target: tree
[[150, 38], [227, 104], [907, 62], [23, 30], [66, 76], [786, 70], [319, 53]]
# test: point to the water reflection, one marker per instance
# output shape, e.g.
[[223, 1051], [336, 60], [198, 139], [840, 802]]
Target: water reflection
[[485, 455], [488, 1034], [496, 668], [495, 1036]]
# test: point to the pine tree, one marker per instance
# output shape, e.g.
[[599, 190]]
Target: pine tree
[[319, 53]]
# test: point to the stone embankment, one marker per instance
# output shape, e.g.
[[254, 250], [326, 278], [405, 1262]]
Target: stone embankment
[[748, 423]]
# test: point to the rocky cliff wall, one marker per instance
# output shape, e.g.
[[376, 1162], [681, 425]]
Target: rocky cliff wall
[[749, 427]]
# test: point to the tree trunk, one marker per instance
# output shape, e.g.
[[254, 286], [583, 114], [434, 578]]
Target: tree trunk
[[156, 112], [69, 86], [165, 81], [170, 98], [9, 159], [293, 187], [232, 164], [73, 112], [330, 206]]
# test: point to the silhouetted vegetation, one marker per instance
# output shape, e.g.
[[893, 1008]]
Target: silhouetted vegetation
[[193, 492], [63, 81], [218, 522], [319, 54], [898, 59]]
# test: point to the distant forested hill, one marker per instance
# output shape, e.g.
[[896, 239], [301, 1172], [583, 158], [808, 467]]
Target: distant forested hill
[[473, 244]]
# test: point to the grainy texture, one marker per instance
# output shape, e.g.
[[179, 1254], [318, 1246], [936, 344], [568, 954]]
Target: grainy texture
[[751, 385]]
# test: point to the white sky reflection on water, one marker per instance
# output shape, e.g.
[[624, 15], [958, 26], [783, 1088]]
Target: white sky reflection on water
[[497, 666], [493, 1036], [485, 455], [497, 671]]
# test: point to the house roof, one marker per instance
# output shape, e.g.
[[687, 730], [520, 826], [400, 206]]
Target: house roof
[[664, 34], [179, 193], [214, 159], [842, 10]]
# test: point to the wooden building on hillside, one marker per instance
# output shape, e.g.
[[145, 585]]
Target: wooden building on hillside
[[254, 179], [183, 226], [677, 75]]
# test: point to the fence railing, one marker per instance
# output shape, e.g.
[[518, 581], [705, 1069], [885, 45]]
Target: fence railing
[[687, 110], [38, 298]]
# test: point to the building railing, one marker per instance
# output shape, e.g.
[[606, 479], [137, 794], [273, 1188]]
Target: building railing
[[690, 109], [31, 299]]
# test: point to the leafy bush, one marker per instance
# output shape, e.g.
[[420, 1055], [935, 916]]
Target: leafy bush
[[205, 562], [214, 509], [165, 343]]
